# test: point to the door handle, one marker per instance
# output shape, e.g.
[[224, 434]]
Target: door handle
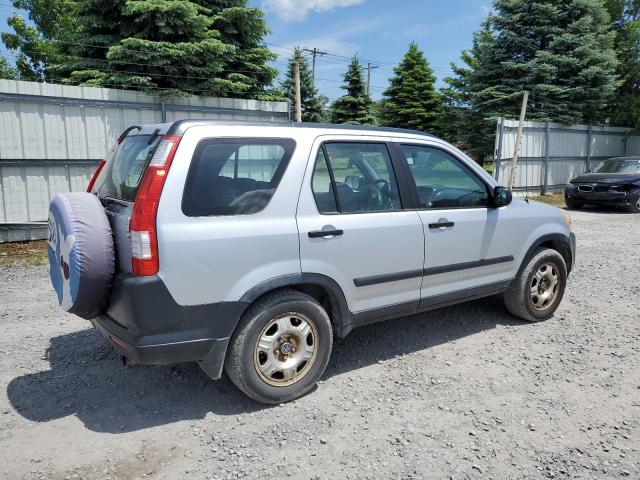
[[434, 226], [326, 233]]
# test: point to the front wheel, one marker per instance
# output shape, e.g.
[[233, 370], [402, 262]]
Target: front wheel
[[539, 289], [280, 348], [634, 205]]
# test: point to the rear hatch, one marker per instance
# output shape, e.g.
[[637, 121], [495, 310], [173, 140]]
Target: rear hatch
[[119, 179]]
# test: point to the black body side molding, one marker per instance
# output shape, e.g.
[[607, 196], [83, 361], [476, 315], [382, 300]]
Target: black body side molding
[[394, 277]]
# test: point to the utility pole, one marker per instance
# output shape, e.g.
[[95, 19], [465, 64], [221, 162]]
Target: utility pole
[[369, 68], [514, 161], [298, 94], [314, 53]]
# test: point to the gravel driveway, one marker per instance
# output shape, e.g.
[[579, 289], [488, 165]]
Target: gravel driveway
[[462, 392]]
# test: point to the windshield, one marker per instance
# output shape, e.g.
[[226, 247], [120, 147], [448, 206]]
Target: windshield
[[619, 165], [125, 165]]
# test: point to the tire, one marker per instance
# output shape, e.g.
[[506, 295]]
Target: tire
[[272, 335], [539, 272], [634, 205], [81, 253], [573, 205]]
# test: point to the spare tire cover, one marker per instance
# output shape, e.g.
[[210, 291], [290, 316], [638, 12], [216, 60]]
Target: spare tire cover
[[81, 254]]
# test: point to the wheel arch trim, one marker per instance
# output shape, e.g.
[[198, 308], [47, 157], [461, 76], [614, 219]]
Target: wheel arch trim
[[567, 250], [340, 315]]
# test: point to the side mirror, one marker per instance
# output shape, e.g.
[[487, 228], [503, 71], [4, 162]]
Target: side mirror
[[589, 170], [501, 197]]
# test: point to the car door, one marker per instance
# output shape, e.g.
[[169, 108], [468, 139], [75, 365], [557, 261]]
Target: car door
[[468, 249], [353, 228]]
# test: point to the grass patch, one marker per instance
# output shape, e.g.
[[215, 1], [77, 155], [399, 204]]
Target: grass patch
[[555, 199], [23, 254]]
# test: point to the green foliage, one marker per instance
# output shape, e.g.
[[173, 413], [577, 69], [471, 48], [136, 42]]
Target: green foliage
[[34, 41], [7, 72], [355, 107], [562, 52], [174, 47], [625, 106], [411, 101], [311, 103]]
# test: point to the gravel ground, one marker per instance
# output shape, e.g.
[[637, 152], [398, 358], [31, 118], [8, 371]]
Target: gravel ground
[[463, 392]]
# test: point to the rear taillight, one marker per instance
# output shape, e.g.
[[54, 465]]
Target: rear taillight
[[142, 227], [95, 175]]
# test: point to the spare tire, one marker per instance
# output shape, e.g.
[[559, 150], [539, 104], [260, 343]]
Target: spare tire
[[81, 253]]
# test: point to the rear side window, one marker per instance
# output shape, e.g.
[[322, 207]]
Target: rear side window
[[125, 165], [235, 176]]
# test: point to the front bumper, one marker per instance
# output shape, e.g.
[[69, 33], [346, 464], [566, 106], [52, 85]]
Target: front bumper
[[145, 323], [609, 197]]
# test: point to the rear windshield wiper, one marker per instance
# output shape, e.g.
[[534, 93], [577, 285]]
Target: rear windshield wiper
[[153, 136]]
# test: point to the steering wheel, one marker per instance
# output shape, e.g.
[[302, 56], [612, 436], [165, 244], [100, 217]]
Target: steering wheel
[[383, 188]]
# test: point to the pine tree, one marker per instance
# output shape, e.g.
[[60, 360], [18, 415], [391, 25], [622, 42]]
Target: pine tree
[[411, 101], [355, 107], [625, 105], [172, 47], [311, 106], [460, 122], [560, 51]]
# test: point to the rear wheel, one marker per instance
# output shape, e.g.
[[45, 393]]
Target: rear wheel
[[573, 205], [634, 205], [281, 347], [540, 288]]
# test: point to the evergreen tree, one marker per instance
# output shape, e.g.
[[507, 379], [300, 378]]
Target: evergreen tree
[[202, 47], [560, 51], [355, 107], [625, 106], [460, 122], [311, 106], [411, 101]]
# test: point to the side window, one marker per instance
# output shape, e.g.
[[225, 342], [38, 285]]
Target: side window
[[442, 180], [235, 176], [362, 177]]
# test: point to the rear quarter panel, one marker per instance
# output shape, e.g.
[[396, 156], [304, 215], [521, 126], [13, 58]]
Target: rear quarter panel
[[214, 259]]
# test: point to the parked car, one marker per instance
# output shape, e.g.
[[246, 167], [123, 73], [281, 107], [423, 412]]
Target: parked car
[[249, 247], [616, 182]]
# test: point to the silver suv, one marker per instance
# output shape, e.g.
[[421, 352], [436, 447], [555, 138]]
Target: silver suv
[[248, 247]]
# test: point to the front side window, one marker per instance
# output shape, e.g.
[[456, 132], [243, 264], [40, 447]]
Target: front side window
[[361, 178], [442, 181], [235, 176]]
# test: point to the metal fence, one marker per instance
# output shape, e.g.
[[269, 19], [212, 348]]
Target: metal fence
[[551, 154], [53, 136]]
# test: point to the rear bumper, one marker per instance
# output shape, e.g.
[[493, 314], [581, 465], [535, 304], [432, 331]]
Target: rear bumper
[[145, 323]]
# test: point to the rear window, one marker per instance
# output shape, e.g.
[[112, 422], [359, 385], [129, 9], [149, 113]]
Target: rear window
[[125, 165], [235, 176]]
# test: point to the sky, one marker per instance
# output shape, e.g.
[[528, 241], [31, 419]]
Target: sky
[[379, 31]]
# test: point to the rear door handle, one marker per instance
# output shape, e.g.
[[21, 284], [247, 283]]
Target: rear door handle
[[326, 233], [441, 225]]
